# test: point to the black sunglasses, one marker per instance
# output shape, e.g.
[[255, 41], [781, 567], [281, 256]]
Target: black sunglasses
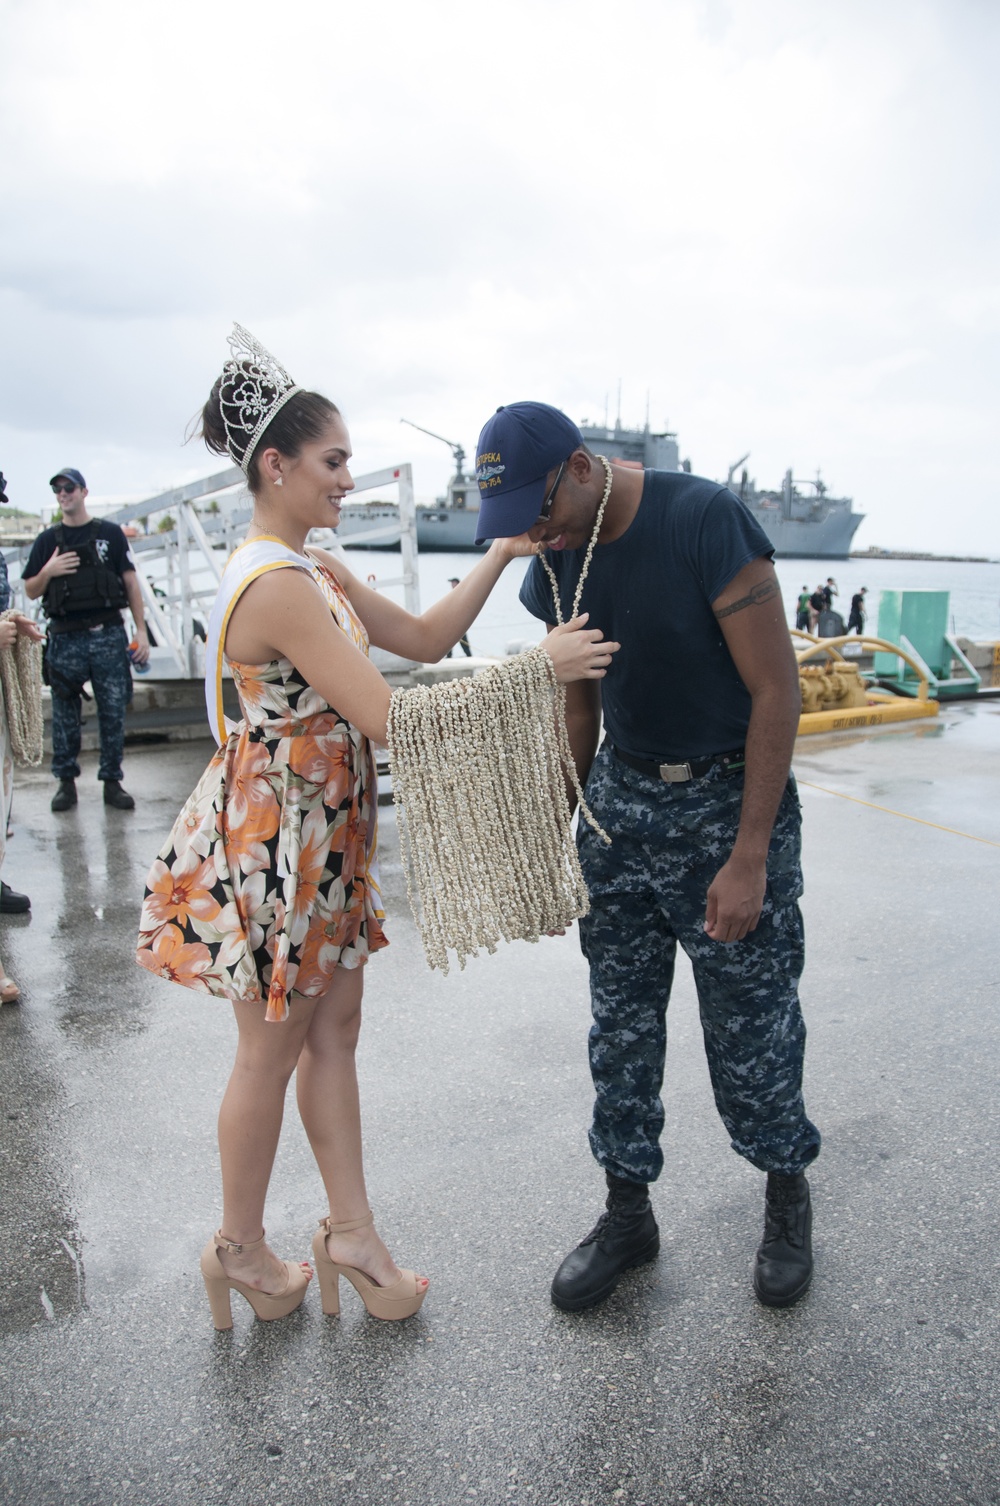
[[546, 507], [64, 486]]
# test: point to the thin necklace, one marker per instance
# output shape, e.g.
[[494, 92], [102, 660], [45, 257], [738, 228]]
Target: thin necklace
[[608, 478]]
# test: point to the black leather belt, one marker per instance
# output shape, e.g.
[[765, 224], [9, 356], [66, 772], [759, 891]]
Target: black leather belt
[[86, 625], [680, 773]]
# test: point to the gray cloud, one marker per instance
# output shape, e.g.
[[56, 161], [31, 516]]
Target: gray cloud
[[778, 220]]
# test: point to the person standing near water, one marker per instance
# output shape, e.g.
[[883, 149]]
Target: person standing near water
[[856, 621], [463, 642], [802, 610]]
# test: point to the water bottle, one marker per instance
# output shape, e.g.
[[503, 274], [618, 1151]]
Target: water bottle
[[140, 669]]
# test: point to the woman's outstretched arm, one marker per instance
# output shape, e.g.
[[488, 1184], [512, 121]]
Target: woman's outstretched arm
[[284, 614], [428, 637]]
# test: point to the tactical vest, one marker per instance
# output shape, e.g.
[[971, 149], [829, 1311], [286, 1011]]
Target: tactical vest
[[93, 594]]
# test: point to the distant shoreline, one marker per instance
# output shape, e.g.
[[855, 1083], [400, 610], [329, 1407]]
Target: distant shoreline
[[909, 554]]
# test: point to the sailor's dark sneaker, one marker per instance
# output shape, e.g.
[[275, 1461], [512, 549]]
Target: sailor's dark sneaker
[[624, 1236], [116, 796], [784, 1264]]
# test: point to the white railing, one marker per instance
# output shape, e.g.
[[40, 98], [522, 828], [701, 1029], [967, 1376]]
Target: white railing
[[179, 570]]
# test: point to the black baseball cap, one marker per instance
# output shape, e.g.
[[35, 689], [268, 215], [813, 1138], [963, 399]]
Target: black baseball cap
[[69, 473], [518, 447]]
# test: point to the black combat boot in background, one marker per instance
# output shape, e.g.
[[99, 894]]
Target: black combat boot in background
[[624, 1236], [116, 796], [784, 1264], [65, 796]]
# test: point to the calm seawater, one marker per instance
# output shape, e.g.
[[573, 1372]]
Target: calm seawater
[[974, 591]]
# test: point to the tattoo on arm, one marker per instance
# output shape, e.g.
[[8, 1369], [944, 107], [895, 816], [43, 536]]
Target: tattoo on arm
[[767, 590]]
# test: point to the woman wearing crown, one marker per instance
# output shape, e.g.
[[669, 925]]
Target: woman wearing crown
[[266, 892]]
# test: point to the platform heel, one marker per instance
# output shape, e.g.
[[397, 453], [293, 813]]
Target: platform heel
[[401, 1300], [219, 1286]]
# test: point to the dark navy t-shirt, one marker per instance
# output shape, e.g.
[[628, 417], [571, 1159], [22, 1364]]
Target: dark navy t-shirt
[[672, 691]]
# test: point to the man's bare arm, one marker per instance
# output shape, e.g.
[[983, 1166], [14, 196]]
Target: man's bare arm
[[752, 620]]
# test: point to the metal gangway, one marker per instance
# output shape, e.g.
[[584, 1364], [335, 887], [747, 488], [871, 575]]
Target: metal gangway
[[179, 569]]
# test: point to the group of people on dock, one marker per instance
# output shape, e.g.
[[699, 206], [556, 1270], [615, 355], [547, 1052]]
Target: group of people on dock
[[266, 891], [811, 604]]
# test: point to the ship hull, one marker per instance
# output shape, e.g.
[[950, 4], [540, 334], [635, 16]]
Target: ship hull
[[367, 525], [448, 530], [441, 530], [826, 538]]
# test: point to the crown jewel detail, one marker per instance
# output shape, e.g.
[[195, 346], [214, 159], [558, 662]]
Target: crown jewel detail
[[252, 388]]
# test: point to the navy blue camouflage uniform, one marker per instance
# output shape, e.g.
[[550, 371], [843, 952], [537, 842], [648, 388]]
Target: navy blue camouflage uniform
[[94, 651], [673, 695], [100, 655]]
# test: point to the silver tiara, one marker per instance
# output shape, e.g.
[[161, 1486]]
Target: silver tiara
[[252, 389]]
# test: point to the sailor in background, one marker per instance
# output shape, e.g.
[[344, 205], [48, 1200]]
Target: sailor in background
[[83, 570]]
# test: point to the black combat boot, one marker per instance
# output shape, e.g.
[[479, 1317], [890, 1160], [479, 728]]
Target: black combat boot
[[116, 796], [783, 1269], [623, 1237], [65, 796], [12, 903]]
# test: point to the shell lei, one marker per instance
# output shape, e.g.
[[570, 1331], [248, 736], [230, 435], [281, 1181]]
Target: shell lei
[[21, 680], [484, 819]]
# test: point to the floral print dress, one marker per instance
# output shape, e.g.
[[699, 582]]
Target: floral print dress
[[269, 880]]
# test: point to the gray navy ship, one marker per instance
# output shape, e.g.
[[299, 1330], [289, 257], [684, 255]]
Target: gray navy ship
[[801, 524]]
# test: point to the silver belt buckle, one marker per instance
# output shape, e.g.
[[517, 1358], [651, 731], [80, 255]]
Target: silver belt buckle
[[675, 773]]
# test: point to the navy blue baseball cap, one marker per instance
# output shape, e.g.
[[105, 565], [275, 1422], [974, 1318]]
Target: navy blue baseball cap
[[518, 447], [68, 473]]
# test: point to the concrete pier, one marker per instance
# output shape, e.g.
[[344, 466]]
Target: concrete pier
[[880, 1387]]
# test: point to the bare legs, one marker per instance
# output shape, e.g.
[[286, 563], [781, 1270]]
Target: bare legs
[[249, 1126], [327, 1090], [319, 1038]]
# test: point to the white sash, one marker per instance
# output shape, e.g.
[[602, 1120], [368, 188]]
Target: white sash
[[246, 562]]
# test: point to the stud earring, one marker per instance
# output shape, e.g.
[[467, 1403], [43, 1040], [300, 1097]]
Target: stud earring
[[279, 481]]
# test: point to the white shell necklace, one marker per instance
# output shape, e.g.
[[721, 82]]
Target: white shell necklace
[[608, 478], [564, 747]]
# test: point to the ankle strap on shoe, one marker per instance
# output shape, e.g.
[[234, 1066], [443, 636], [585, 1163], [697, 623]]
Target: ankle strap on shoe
[[356, 1223], [222, 1243]]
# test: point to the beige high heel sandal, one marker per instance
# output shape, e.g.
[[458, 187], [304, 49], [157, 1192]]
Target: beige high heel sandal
[[9, 991], [401, 1300], [218, 1284]]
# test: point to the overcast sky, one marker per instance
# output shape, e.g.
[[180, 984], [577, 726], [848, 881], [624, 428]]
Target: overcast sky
[[777, 218]]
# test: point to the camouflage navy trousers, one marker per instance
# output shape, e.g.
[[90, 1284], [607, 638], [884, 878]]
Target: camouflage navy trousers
[[99, 655], [647, 893]]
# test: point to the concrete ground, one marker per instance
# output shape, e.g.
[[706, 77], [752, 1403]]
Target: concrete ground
[[881, 1386]]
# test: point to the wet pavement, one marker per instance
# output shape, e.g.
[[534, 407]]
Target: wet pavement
[[881, 1386]]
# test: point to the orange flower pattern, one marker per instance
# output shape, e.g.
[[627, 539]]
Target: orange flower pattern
[[269, 878]]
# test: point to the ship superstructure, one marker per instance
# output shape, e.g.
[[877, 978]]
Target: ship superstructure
[[801, 519]]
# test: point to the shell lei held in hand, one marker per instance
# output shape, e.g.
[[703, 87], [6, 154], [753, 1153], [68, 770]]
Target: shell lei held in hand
[[484, 820]]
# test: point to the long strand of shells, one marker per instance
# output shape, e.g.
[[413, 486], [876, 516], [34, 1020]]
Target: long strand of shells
[[568, 760], [21, 680], [484, 819]]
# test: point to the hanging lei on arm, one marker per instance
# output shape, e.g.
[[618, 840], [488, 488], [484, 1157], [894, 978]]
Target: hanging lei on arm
[[484, 819]]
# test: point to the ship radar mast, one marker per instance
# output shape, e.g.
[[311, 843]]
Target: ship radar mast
[[456, 449]]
